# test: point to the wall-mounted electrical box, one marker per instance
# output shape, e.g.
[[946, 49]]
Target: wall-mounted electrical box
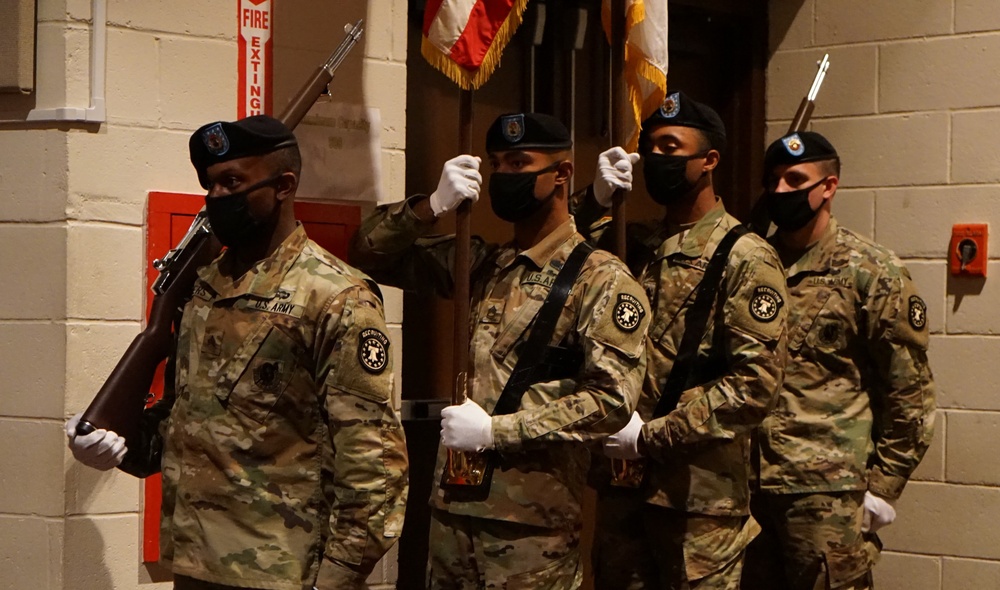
[[967, 254]]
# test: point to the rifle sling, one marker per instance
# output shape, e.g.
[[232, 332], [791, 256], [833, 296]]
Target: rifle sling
[[696, 321], [532, 353]]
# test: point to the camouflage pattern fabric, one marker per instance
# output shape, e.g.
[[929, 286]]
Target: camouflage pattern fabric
[[644, 546], [810, 542], [284, 463], [700, 452], [476, 554], [543, 464], [857, 408]]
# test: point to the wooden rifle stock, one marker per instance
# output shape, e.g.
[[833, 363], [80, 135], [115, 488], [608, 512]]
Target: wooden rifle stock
[[119, 404]]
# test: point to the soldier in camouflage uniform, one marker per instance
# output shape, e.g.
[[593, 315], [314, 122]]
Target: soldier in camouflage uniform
[[526, 533], [688, 524], [284, 463], [855, 414]]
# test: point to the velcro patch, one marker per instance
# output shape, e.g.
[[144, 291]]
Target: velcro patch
[[917, 313], [266, 376], [629, 312], [373, 350], [539, 278], [765, 304]]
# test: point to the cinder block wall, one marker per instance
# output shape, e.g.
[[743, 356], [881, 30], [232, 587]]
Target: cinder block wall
[[912, 102], [72, 204]]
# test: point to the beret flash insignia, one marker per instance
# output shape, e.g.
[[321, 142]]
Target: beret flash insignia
[[373, 350], [513, 128], [671, 106], [765, 304], [628, 312], [918, 313], [793, 143], [215, 140]]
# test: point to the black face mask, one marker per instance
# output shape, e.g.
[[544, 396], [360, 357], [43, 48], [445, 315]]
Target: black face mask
[[230, 217], [512, 194], [666, 176], [790, 210]]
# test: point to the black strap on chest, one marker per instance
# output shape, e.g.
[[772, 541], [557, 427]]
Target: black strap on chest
[[532, 353], [683, 374]]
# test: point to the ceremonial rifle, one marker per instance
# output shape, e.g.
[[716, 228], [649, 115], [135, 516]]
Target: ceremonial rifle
[[760, 220], [119, 404]]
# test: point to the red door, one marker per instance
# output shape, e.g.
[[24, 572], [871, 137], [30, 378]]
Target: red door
[[169, 216]]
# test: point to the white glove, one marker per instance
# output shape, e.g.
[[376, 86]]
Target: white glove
[[466, 427], [460, 180], [624, 444], [614, 171], [878, 513], [101, 449]]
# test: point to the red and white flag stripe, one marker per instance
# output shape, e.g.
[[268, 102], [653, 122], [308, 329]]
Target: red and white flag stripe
[[465, 38]]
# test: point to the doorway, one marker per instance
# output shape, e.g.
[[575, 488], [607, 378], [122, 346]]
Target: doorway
[[718, 55]]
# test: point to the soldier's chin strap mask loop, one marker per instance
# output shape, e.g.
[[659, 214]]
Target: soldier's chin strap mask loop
[[512, 194], [791, 210], [666, 176], [230, 217]]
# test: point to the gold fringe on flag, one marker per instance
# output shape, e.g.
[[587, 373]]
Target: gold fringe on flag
[[637, 67], [473, 79]]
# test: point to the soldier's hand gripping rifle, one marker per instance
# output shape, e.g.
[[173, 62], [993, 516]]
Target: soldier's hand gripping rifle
[[760, 221], [119, 403]]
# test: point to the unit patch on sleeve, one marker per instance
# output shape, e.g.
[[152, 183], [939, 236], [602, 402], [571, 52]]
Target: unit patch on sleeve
[[765, 303], [628, 312], [373, 350], [918, 313]]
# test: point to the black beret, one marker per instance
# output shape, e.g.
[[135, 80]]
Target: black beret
[[796, 148], [527, 131], [681, 110], [223, 141]]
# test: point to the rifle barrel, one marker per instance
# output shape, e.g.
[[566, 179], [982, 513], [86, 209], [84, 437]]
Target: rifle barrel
[[304, 99]]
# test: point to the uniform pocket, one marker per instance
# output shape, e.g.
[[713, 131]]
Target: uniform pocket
[[714, 550], [845, 565], [564, 573], [828, 334], [514, 333], [255, 378], [349, 524]]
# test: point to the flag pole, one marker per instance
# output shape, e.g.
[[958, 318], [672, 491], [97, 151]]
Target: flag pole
[[624, 473], [618, 104], [463, 263]]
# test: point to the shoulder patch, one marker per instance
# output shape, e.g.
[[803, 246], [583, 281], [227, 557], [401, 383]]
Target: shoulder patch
[[917, 313], [765, 303], [629, 312], [373, 350]]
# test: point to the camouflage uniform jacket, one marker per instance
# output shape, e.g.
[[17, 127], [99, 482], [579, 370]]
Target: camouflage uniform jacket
[[543, 468], [284, 463], [857, 408], [701, 450]]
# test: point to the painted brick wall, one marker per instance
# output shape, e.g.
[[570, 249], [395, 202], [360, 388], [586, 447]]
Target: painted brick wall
[[72, 203], [911, 101]]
